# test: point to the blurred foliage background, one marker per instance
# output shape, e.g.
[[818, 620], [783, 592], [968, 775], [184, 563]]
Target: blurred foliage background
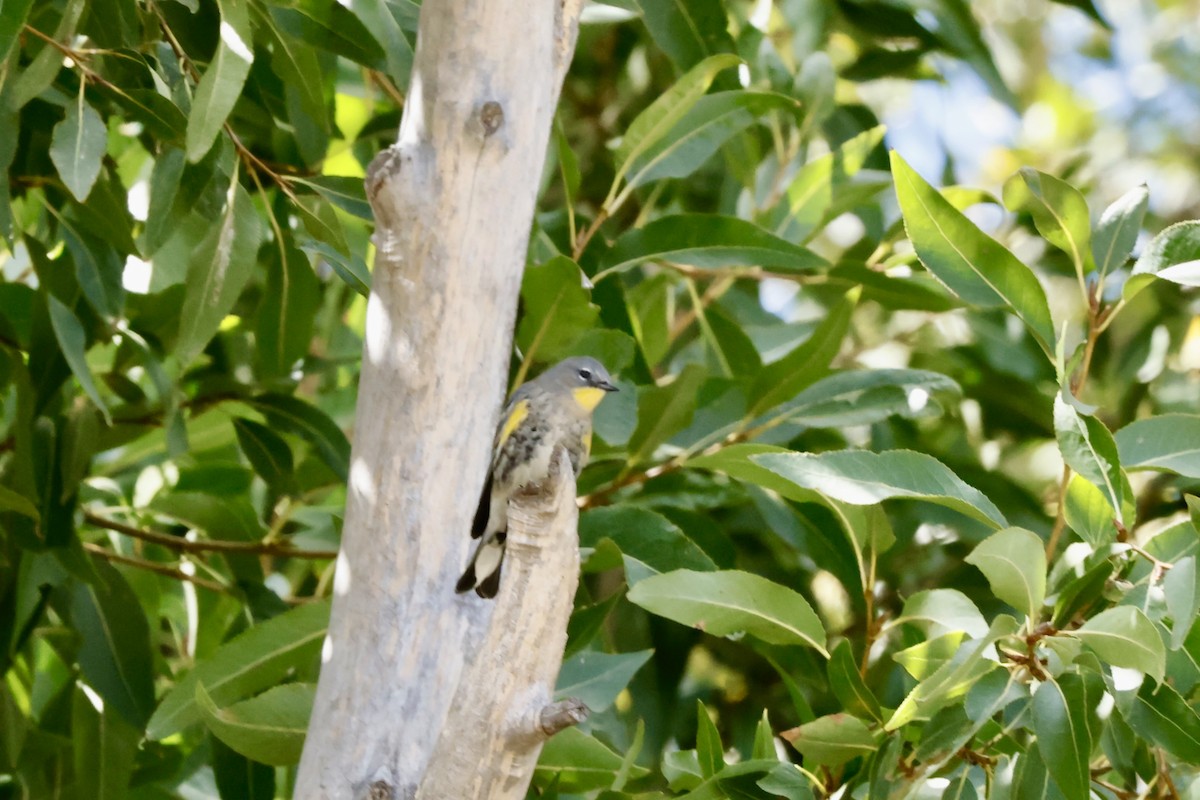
[[863, 452]]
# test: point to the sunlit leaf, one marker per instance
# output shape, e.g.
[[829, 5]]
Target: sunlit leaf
[[973, 265]]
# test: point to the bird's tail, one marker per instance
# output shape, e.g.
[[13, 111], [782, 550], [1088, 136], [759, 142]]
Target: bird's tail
[[483, 573]]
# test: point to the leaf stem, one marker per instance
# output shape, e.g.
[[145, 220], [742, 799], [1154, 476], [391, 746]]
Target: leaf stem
[[161, 569]]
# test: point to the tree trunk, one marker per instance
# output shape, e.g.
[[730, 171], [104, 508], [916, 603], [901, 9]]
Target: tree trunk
[[453, 201]]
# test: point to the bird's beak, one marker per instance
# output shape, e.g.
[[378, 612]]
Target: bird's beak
[[606, 386]]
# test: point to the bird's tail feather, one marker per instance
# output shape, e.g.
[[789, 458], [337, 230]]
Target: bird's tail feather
[[486, 562], [484, 509]]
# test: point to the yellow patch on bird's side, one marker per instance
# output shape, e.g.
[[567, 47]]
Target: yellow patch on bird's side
[[587, 443], [588, 397], [515, 417]]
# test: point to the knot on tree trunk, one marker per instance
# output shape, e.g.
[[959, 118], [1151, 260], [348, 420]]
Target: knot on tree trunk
[[562, 715]]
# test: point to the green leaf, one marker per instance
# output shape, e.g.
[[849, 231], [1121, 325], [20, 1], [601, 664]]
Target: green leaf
[[105, 746], [664, 411], [953, 679], [12, 21], [346, 193], [239, 778], [1118, 229], [291, 299], [577, 762], [688, 30], [926, 658], [1014, 562], [650, 126], [1089, 513], [1169, 442], [863, 397], [864, 478], [941, 611], [1089, 449], [970, 263], [1058, 209], [268, 728], [351, 269], [1163, 717], [267, 452], [1182, 592], [1031, 780], [1124, 637], [162, 215], [711, 122], [73, 342], [732, 602], [832, 740], [333, 28], [1081, 592], [254, 660], [782, 380], [557, 310], [378, 18], [77, 147], [293, 415], [115, 649], [221, 84], [1060, 721], [597, 678], [218, 269], [13, 501], [847, 684], [764, 739], [709, 241], [650, 543], [1175, 246], [709, 752], [811, 194]]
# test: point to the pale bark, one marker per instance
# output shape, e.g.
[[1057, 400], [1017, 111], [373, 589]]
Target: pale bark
[[453, 202]]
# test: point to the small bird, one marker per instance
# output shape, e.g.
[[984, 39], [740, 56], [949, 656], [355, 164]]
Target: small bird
[[553, 409]]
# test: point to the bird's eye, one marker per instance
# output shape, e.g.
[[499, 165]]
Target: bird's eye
[[585, 373]]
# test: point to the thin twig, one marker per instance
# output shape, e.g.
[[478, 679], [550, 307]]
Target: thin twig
[[207, 546], [582, 243], [161, 569]]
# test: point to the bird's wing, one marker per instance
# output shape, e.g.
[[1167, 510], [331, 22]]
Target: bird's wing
[[514, 414]]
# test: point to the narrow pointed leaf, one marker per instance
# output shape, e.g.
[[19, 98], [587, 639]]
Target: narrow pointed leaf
[[252, 661], [221, 84], [73, 341], [1060, 720], [1118, 229], [77, 147], [268, 728], [1058, 209], [710, 241], [661, 116], [218, 269], [972, 265]]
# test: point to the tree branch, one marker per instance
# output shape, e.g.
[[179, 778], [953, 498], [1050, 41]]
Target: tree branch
[[502, 713], [182, 545]]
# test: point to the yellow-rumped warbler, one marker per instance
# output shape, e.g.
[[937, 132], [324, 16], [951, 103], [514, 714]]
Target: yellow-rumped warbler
[[554, 408]]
